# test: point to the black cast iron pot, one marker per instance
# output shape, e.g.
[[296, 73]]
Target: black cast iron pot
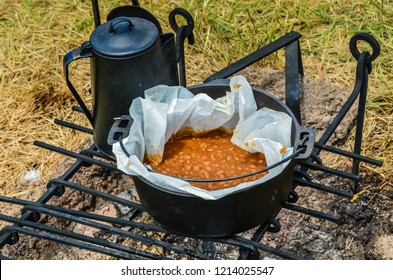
[[234, 213]]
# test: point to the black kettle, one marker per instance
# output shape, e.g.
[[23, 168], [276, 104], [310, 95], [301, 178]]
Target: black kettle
[[127, 56]]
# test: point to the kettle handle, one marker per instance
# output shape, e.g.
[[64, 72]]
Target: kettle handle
[[83, 52]]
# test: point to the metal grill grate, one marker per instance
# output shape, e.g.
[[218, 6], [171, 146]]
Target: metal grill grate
[[131, 235]]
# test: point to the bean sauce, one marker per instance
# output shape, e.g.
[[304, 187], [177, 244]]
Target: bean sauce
[[209, 156]]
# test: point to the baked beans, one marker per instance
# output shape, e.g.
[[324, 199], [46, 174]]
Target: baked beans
[[209, 156]]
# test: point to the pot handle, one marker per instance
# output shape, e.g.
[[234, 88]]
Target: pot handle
[[83, 52], [306, 142], [120, 129]]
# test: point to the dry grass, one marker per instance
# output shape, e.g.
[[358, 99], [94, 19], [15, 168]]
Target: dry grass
[[36, 34]]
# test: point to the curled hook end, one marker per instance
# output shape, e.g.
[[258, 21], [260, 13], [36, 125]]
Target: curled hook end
[[376, 48]]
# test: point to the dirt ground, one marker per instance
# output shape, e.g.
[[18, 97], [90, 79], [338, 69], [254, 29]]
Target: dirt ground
[[367, 223]]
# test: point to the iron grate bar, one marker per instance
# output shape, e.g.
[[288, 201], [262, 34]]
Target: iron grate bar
[[77, 109], [265, 248], [331, 170], [257, 236], [322, 188], [106, 196], [28, 215], [93, 216], [348, 154], [141, 238], [74, 126], [66, 241], [311, 212], [77, 237], [80, 157], [255, 56], [96, 154]]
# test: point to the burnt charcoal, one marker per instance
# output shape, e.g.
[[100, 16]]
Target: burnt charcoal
[[362, 214]]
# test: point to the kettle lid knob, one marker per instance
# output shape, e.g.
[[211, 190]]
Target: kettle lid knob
[[119, 20]]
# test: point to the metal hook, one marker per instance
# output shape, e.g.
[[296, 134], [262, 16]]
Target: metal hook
[[188, 33], [371, 41], [182, 32]]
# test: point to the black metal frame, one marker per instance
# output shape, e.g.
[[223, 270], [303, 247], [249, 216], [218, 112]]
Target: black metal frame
[[29, 221]]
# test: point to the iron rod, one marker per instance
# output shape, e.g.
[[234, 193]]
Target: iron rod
[[96, 154], [254, 57], [283, 254], [322, 188], [70, 172], [93, 192], [28, 215], [70, 242], [88, 215], [257, 236], [76, 155], [360, 121], [96, 13], [77, 109], [339, 117], [107, 228], [311, 212], [74, 126], [76, 236], [330, 170], [349, 103], [293, 76], [348, 154], [51, 191]]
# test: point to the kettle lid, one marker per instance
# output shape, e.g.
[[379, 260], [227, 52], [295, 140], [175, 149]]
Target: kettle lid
[[124, 36]]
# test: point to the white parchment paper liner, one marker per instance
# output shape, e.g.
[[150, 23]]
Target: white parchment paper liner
[[165, 110]]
